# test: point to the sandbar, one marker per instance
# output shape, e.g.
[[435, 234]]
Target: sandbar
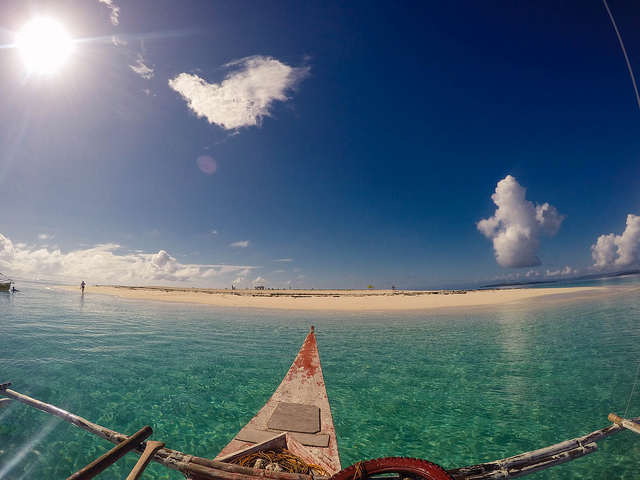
[[347, 300]]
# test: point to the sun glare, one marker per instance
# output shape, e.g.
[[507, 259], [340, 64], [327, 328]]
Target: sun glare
[[44, 45]]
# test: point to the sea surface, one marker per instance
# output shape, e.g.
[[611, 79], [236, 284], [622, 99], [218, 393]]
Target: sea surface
[[455, 387]]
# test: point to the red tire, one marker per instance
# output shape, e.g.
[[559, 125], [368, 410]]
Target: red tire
[[413, 467]]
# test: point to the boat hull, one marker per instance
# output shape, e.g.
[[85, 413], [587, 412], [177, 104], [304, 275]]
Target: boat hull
[[298, 416]]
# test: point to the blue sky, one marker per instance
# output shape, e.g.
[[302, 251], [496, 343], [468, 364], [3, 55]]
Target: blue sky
[[307, 144]]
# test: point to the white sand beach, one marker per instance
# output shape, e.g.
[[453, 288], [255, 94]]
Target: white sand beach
[[348, 300]]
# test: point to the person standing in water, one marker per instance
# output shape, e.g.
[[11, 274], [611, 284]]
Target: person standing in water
[[82, 286]]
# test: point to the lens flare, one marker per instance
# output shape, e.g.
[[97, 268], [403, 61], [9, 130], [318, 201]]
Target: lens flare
[[207, 164]]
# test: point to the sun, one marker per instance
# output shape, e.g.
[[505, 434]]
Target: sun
[[44, 45]]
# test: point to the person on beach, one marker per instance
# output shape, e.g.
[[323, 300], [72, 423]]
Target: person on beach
[[82, 286]]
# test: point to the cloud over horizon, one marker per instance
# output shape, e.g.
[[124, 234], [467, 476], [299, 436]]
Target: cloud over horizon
[[517, 225], [102, 264], [619, 250], [245, 96]]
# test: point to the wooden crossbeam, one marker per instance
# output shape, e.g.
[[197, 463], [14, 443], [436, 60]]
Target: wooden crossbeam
[[113, 455]]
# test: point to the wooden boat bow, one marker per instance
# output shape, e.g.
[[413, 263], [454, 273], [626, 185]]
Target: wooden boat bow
[[300, 408]]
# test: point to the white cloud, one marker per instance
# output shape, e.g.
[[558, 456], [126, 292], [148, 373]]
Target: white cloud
[[242, 278], [141, 69], [104, 264], [114, 11], [532, 276], [118, 41], [565, 272], [619, 250], [517, 225], [241, 244], [245, 96]]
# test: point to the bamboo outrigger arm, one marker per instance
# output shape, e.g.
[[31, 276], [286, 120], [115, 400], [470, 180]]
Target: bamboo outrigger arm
[[536, 460], [623, 422], [206, 469]]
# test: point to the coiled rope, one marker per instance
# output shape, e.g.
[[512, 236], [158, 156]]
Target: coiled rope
[[280, 461]]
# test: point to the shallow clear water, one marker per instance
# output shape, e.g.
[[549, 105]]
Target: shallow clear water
[[454, 387]]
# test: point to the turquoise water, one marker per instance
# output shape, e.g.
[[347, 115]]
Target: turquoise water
[[456, 388]]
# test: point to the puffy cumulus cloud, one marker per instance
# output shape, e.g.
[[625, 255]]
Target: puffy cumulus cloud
[[7, 252], [619, 250], [517, 225], [104, 264], [245, 96]]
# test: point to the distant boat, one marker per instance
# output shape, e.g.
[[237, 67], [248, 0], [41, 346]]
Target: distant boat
[[5, 283]]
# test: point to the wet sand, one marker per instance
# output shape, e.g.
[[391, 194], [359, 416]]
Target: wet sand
[[348, 300]]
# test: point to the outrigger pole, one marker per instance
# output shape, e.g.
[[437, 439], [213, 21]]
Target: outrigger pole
[[206, 469], [202, 468], [536, 460]]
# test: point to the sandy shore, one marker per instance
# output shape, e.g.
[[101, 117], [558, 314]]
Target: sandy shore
[[348, 300]]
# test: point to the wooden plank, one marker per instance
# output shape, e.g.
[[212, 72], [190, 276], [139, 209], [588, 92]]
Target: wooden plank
[[312, 439], [273, 443], [295, 417], [253, 435]]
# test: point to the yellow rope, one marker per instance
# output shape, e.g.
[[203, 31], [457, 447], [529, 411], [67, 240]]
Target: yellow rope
[[360, 471], [285, 460]]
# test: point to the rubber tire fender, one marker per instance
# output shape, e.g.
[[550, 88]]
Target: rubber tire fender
[[414, 466]]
